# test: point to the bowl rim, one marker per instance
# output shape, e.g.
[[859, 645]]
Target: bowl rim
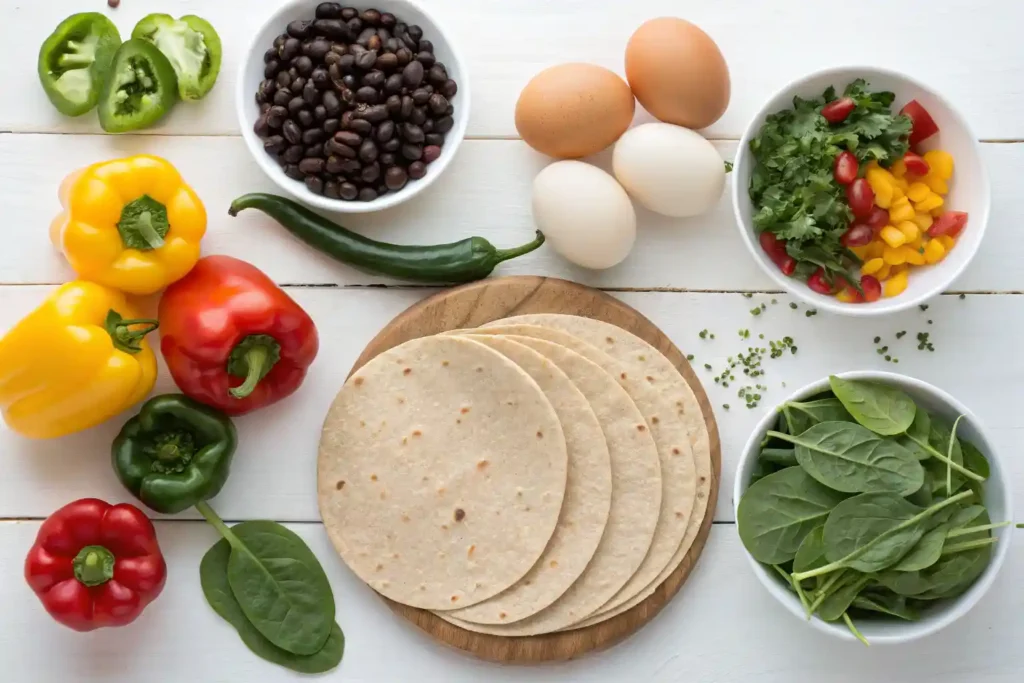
[[901, 302], [243, 99], [953, 610]]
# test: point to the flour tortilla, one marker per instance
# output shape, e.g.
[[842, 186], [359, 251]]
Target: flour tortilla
[[636, 499], [588, 496], [679, 479], [441, 473], [646, 361]]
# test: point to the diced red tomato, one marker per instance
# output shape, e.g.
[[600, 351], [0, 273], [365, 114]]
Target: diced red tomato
[[916, 164], [950, 223], [924, 125], [860, 197], [776, 250], [877, 219], [859, 235], [845, 169], [836, 111], [817, 282], [872, 288]]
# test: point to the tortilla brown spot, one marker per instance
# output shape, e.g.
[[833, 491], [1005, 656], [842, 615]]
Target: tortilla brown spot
[[641, 428], [373, 477], [465, 409], [405, 517], [379, 567], [469, 553], [502, 615], [444, 363], [417, 432], [460, 514], [440, 491], [703, 479], [358, 381], [654, 420], [642, 358], [455, 598], [675, 451], [445, 527], [407, 371], [383, 495], [609, 340], [340, 485], [623, 375], [650, 379], [679, 515], [554, 564], [482, 465]]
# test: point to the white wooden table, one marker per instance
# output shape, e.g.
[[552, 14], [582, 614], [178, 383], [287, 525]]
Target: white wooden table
[[685, 275]]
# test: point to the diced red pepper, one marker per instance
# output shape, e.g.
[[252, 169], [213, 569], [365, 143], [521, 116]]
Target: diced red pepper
[[817, 282], [924, 125], [916, 164], [950, 223]]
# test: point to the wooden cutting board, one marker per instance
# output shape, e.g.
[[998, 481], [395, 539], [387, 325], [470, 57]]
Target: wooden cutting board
[[473, 305]]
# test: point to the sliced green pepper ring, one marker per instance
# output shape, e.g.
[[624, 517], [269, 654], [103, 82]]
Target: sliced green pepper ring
[[75, 59], [190, 44], [140, 90]]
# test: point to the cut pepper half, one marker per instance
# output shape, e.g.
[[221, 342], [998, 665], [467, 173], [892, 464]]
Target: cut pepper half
[[75, 59], [190, 44], [140, 90]]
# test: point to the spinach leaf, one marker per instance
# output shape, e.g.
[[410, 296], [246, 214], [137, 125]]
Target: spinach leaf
[[784, 457], [881, 408], [926, 552], [810, 413], [213, 576], [811, 553], [778, 511], [975, 460], [918, 434], [762, 468], [885, 602], [281, 587], [847, 457], [837, 602], [924, 496], [955, 573], [908, 584]]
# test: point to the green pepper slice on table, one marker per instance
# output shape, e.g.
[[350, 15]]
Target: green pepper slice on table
[[75, 59], [140, 90], [190, 44], [175, 453]]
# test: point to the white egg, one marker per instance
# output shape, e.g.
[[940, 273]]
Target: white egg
[[669, 169], [586, 216]]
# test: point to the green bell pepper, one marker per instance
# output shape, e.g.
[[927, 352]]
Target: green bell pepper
[[190, 44], [140, 90], [75, 59], [175, 453]]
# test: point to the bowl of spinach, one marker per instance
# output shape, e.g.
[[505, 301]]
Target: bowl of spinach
[[873, 506], [783, 184]]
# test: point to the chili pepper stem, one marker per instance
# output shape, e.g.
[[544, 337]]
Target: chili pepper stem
[[506, 254], [214, 519], [93, 565]]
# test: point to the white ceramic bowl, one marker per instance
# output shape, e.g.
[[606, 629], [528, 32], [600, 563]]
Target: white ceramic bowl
[[970, 190], [998, 500], [251, 74]]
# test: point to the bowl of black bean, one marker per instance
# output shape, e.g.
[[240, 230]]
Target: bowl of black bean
[[353, 108]]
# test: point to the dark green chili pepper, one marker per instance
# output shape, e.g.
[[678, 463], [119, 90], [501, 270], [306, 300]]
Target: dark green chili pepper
[[75, 59], [464, 261]]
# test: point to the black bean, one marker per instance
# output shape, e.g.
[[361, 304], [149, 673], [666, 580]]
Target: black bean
[[314, 151], [394, 105], [275, 144], [429, 88], [295, 105], [312, 166], [270, 55], [443, 124], [328, 10], [391, 45], [391, 145], [367, 94], [298, 83], [356, 49], [292, 132], [367, 59], [368, 151], [404, 55], [265, 91], [367, 194], [393, 84], [438, 104], [374, 79], [346, 120], [331, 190], [279, 41], [433, 138], [349, 13], [334, 148], [351, 167], [293, 172], [282, 97], [387, 62], [370, 16], [420, 96], [387, 19], [431, 153], [276, 116], [313, 136], [348, 191], [412, 74], [385, 131], [374, 43], [347, 137], [318, 49], [427, 59], [332, 58], [304, 65], [365, 35], [396, 178], [417, 170], [300, 29], [320, 79], [315, 184], [261, 127], [361, 127], [320, 113], [305, 118], [265, 107], [411, 133], [370, 173], [409, 41], [437, 74], [374, 113], [331, 126], [355, 25], [293, 154], [450, 110], [310, 94], [331, 103], [384, 35], [284, 79], [418, 116], [387, 159], [291, 49], [449, 88], [271, 68], [350, 82], [428, 126], [412, 152], [293, 72], [334, 164], [407, 106]]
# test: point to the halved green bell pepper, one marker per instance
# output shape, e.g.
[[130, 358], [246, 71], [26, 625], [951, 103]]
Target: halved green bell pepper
[[175, 453], [140, 89], [75, 59], [190, 44]]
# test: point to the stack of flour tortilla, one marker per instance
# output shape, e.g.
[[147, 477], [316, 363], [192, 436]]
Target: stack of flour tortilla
[[537, 474]]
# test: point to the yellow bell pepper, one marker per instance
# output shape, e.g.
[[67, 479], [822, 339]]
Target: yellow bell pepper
[[131, 224], [76, 361]]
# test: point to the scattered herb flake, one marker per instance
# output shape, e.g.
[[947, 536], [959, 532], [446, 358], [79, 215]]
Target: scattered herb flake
[[793, 306]]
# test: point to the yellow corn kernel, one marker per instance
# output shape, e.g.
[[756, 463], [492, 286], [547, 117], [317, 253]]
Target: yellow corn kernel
[[940, 163], [900, 211], [918, 192], [898, 192], [918, 243], [923, 220], [937, 212], [883, 194], [894, 237], [909, 230], [884, 273], [894, 256], [875, 249], [934, 251], [877, 174], [861, 252], [929, 203], [872, 266], [896, 270], [947, 241], [847, 295], [902, 183], [895, 285], [915, 257], [871, 165], [936, 184], [899, 169]]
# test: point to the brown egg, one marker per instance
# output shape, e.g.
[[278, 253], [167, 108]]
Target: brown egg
[[678, 73], [574, 110]]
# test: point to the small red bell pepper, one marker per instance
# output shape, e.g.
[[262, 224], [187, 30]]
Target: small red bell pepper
[[95, 565], [233, 339]]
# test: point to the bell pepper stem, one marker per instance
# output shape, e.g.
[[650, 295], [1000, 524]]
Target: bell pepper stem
[[507, 254], [143, 224], [124, 338], [252, 359], [223, 529], [147, 232], [93, 565], [256, 358]]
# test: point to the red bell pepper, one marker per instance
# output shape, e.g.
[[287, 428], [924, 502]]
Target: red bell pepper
[[233, 339], [95, 565]]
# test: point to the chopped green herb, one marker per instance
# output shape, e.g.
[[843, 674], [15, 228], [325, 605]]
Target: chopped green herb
[[878, 339], [793, 306], [703, 334], [689, 356], [726, 406], [901, 334], [707, 366], [774, 301], [923, 307], [889, 358], [963, 296], [923, 342], [748, 295], [811, 312], [929, 322], [755, 311]]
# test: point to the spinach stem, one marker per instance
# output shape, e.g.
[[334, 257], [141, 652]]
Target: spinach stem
[[213, 518], [793, 584], [881, 537], [854, 630], [976, 529], [949, 461], [839, 577], [949, 457], [968, 545]]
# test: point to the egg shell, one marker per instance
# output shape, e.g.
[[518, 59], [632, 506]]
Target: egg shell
[[584, 213], [574, 110], [678, 73], [669, 169]]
